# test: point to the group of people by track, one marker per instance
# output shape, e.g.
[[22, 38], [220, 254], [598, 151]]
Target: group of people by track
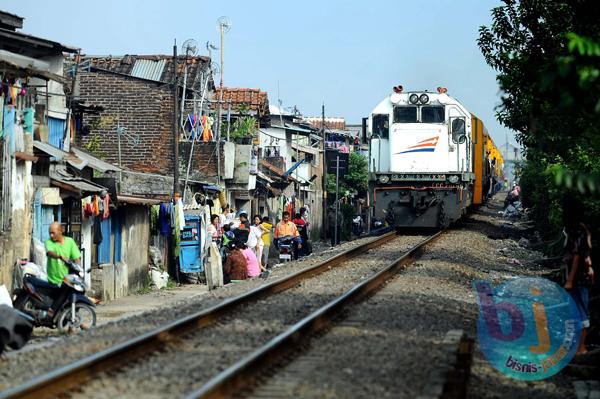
[[245, 244]]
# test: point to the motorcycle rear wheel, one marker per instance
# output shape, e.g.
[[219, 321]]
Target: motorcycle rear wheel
[[85, 318]]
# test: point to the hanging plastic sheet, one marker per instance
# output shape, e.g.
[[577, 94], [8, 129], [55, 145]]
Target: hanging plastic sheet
[[28, 119], [9, 125]]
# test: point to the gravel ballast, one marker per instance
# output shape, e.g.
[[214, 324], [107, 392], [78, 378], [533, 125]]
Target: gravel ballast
[[61, 350], [194, 359], [388, 344]]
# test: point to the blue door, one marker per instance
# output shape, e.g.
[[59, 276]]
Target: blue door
[[104, 246], [56, 132]]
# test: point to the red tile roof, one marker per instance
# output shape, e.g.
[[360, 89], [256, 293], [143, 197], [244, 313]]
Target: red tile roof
[[330, 123], [255, 99]]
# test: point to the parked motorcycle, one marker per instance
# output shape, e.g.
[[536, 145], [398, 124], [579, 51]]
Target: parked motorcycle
[[73, 310], [357, 226], [286, 248]]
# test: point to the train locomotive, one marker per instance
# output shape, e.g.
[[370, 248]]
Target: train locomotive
[[430, 159]]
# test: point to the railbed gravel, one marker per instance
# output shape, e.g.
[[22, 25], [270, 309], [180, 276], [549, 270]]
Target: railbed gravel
[[386, 346], [194, 359], [59, 350]]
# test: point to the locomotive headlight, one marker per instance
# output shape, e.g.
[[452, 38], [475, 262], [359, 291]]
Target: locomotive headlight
[[383, 179], [453, 179], [413, 99], [424, 98]]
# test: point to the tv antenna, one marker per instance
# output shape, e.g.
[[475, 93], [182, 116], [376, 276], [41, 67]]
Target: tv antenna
[[189, 47], [223, 23]]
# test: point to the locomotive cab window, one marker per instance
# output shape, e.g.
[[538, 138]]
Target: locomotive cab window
[[405, 115], [381, 125], [432, 114]]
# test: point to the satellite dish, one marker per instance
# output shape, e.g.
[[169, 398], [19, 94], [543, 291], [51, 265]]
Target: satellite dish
[[189, 47], [210, 46], [215, 68], [223, 23]]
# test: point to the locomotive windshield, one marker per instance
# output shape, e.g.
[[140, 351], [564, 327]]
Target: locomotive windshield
[[419, 114], [405, 115], [381, 125], [432, 114]]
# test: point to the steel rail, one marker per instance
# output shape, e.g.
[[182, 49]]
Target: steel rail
[[74, 374], [241, 374]]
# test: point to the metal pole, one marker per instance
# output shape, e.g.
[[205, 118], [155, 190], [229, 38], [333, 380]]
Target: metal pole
[[194, 138], [228, 120], [222, 58], [119, 149], [364, 134], [337, 193], [219, 122], [324, 177], [175, 125], [69, 99]]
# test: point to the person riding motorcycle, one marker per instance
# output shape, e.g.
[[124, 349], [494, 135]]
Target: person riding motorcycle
[[287, 228], [60, 250]]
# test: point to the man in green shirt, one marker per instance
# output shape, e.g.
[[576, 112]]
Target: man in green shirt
[[59, 249]]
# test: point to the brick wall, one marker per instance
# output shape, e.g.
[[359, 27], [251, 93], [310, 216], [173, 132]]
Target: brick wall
[[144, 109]]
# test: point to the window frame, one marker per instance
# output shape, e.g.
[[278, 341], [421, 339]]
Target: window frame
[[432, 106], [383, 136], [419, 113], [405, 106]]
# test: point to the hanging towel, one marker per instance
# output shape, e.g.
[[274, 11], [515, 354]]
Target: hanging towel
[[28, 118], [180, 216], [87, 211], [163, 220], [97, 231], [106, 202], [95, 206], [206, 132]]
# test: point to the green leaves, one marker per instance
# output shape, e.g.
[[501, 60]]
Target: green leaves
[[355, 181], [547, 55], [584, 45], [584, 183], [244, 127]]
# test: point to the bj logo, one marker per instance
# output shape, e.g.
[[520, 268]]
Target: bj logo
[[528, 328]]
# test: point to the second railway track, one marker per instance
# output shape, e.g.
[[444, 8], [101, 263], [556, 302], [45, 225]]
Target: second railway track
[[179, 360]]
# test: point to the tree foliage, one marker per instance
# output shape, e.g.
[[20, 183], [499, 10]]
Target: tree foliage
[[547, 55], [355, 182]]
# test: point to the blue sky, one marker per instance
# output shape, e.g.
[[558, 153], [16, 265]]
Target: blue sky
[[347, 54]]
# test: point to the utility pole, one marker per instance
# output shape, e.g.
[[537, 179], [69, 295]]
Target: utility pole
[[364, 139], [223, 24], [337, 195], [175, 127], [324, 177], [119, 131]]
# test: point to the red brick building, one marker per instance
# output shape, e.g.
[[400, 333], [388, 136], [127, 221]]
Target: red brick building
[[136, 95]]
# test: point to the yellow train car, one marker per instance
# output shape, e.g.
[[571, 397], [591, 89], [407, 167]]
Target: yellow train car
[[488, 162]]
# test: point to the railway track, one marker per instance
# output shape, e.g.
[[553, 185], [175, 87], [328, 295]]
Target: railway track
[[244, 378], [199, 334]]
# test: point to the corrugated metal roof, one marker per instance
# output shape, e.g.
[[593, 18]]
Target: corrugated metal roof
[[77, 184], [93, 162], [129, 199], [148, 69]]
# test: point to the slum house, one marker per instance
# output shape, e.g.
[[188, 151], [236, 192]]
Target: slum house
[[247, 111], [50, 180], [135, 130], [32, 102], [293, 145], [112, 234]]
